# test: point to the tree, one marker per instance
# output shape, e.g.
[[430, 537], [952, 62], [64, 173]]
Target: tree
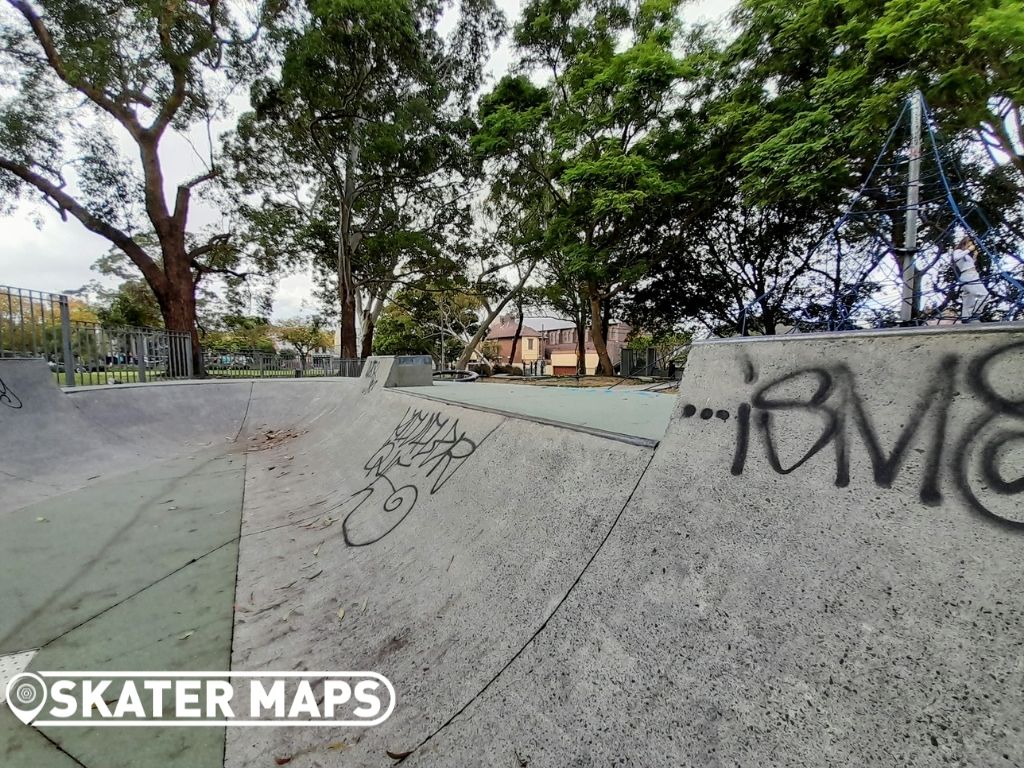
[[793, 112], [239, 333], [369, 120], [588, 138], [132, 304], [86, 74], [304, 335], [398, 333], [814, 86]]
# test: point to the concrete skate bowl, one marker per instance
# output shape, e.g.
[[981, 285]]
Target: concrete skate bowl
[[819, 565]]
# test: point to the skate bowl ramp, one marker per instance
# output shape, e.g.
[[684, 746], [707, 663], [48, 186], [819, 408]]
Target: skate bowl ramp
[[819, 564]]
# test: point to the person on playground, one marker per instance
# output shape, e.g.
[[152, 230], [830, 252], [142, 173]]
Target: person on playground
[[973, 293]]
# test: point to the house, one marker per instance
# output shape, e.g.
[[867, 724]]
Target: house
[[560, 344], [529, 349]]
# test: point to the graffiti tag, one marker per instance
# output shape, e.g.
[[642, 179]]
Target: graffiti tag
[[972, 462], [420, 456], [7, 396]]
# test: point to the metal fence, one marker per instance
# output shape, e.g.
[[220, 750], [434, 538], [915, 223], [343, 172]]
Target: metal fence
[[260, 364], [642, 362], [36, 324]]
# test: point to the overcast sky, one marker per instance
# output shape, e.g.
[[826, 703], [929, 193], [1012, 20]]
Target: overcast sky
[[41, 252]]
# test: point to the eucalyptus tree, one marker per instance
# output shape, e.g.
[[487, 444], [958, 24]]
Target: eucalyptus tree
[[795, 107], [816, 84], [369, 119], [80, 79], [587, 136]]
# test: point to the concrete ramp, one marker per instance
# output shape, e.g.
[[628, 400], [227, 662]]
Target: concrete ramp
[[49, 445], [447, 537], [822, 566]]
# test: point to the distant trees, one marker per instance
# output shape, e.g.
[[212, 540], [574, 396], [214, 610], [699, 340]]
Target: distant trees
[[793, 111], [632, 166], [304, 335], [355, 155]]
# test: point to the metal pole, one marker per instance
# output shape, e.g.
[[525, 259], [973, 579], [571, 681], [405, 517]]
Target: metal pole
[[65, 332], [909, 308], [187, 344], [140, 356]]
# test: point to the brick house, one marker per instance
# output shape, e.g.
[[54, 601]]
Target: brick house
[[529, 349], [560, 345]]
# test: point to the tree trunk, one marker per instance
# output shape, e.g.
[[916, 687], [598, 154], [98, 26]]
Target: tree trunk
[[348, 241], [347, 300], [519, 331], [604, 363], [367, 343], [581, 337], [177, 303], [471, 345], [369, 316]]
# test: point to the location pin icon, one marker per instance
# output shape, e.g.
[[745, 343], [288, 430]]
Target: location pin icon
[[26, 696]]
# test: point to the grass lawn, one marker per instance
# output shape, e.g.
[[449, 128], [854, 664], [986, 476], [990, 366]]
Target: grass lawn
[[115, 375]]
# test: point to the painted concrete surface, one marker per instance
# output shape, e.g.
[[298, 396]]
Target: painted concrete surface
[[819, 565], [626, 412]]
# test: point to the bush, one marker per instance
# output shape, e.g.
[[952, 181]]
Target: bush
[[511, 370], [481, 368]]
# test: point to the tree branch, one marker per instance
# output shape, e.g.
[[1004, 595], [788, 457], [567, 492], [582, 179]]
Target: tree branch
[[122, 114], [65, 203]]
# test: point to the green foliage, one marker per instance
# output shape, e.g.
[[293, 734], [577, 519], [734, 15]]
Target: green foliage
[[131, 304], [239, 333], [585, 150], [305, 335], [355, 157], [397, 333]]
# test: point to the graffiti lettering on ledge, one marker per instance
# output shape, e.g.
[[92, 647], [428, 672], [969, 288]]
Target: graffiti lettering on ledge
[[974, 462], [7, 396], [371, 376], [420, 456]]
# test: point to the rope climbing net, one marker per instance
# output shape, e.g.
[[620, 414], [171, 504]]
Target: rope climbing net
[[955, 266]]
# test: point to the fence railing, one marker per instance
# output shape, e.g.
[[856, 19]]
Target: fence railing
[[37, 324], [635, 362], [259, 364]]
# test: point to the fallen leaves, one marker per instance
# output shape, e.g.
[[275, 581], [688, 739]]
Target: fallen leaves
[[398, 755], [341, 614]]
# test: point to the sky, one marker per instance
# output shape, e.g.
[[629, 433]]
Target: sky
[[41, 252]]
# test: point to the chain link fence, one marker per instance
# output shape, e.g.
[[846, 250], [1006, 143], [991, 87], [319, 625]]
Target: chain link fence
[[36, 324]]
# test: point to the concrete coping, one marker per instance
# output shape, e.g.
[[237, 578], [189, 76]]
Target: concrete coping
[[972, 328]]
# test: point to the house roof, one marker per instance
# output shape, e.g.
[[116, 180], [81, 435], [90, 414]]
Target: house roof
[[568, 346], [508, 331]]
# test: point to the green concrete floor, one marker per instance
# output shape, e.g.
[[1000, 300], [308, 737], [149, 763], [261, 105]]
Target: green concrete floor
[[622, 411], [133, 572]]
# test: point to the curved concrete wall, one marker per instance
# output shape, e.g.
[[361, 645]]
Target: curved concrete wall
[[820, 564]]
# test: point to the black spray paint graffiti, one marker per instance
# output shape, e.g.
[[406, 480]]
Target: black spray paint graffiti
[[830, 392], [7, 396], [420, 455], [370, 375]]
